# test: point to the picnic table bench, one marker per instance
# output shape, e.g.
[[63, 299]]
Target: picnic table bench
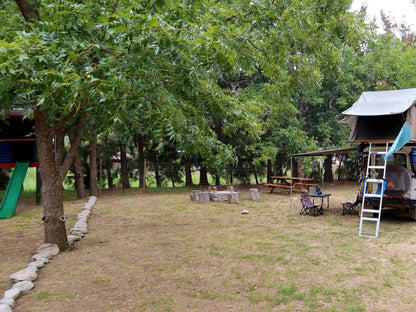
[[289, 183]]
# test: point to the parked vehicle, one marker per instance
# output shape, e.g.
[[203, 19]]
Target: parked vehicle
[[377, 119]]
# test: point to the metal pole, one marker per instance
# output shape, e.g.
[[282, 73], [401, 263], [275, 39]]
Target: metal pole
[[291, 175]]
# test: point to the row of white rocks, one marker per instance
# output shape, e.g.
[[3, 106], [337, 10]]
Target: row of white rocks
[[24, 278]]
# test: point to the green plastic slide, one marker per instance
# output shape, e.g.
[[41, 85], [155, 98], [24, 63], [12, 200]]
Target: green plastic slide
[[8, 205]]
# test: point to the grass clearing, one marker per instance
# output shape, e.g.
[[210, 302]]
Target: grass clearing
[[162, 252]]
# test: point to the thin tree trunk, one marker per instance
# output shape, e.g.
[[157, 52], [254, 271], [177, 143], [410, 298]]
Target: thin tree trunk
[[269, 171], [109, 176], [255, 176], [140, 147], [298, 166], [341, 159], [217, 179], [93, 166], [79, 177], [157, 173], [125, 183], [188, 172]]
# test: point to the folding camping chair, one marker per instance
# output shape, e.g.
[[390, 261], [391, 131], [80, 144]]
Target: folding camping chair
[[309, 207], [348, 208]]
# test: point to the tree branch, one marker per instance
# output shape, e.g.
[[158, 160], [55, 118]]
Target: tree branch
[[75, 140], [60, 124], [29, 9]]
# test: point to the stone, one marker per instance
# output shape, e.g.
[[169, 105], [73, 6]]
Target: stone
[[254, 194], [74, 238], [83, 219], [76, 232], [88, 206], [48, 249], [27, 274], [9, 301], [39, 256], [233, 198], [244, 212], [204, 197], [11, 294], [23, 286], [195, 195], [38, 263], [84, 213], [5, 308], [80, 224]]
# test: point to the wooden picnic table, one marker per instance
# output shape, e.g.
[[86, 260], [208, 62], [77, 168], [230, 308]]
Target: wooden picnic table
[[290, 183]]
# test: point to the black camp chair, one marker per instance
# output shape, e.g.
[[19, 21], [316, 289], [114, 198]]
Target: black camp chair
[[308, 207], [348, 208]]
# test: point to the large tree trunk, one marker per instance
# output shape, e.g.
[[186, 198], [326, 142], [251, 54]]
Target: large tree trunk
[[203, 176], [59, 141], [328, 175], [53, 209], [188, 172], [93, 166], [52, 201], [53, 174], [125, 183], [269, 171]]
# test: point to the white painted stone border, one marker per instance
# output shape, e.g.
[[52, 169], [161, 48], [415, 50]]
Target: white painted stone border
[[24, 278]]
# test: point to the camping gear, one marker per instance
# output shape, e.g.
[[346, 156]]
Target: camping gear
[[348, 208], [369, 115], [309, 207]]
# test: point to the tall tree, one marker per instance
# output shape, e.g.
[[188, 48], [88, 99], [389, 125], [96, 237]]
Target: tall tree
[[54, 66]]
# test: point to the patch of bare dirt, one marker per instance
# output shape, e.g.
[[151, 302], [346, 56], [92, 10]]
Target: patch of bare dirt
[[162, 252]]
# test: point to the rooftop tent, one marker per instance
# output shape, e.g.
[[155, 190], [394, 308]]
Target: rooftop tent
[[379, 115]]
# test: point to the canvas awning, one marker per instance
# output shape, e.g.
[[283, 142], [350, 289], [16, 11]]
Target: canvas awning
[[377, 103], [337, 151]]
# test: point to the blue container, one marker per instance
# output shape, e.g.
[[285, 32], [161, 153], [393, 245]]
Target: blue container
[[413, 155]]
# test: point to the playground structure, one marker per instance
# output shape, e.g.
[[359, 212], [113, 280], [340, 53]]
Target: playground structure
[[18, 151]]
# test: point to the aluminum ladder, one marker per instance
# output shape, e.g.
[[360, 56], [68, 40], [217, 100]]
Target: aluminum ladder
[[378, 193]]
